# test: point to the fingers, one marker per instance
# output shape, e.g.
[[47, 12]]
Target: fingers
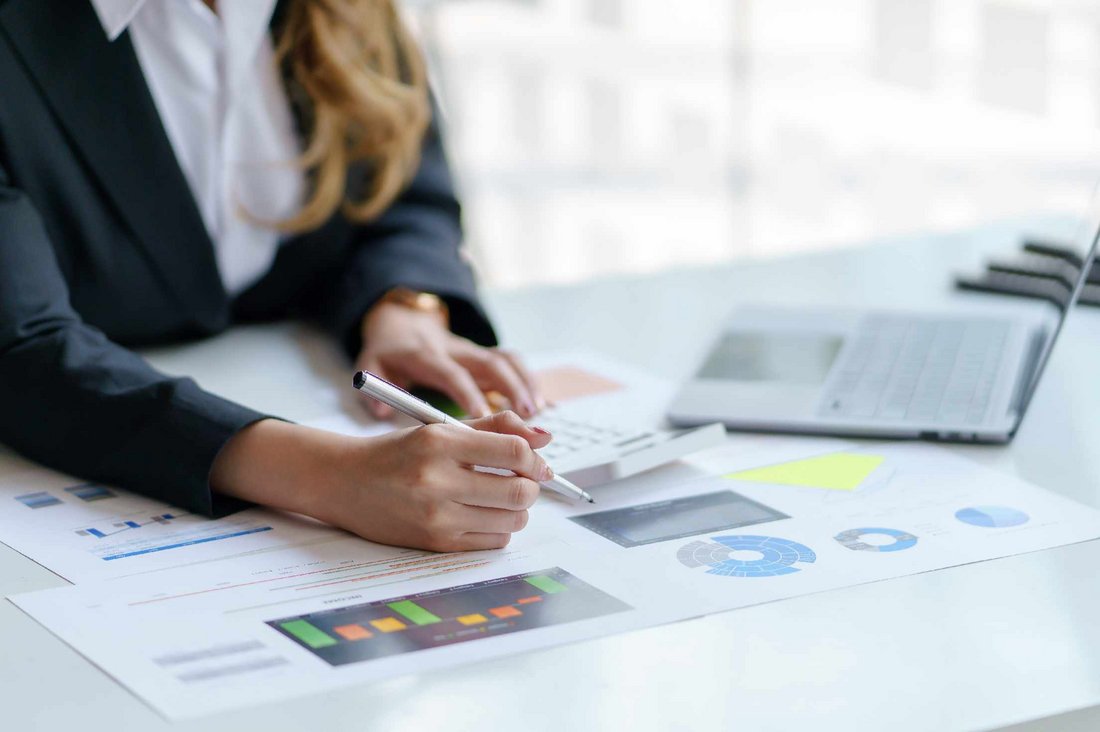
[[479, 520], [507, 492], [471, 542], [505, 452], [471, 448], [443, 373], [467, 528], [460, 525], [492, 370], [509, 423], [509, 452], [525, 374]]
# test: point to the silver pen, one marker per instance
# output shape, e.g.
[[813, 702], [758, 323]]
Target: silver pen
[[421, 411]]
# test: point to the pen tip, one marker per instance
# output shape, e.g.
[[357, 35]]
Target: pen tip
[[591, 499], [358, 379]]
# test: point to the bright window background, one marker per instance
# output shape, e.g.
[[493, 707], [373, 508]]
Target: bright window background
[[604, 136]]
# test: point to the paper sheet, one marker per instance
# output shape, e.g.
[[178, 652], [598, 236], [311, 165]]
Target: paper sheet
[[297, 622], [85, 531], [671, 544], [739, 543]]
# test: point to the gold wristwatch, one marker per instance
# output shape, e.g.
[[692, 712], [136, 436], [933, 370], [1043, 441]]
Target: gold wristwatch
[[424, 302]]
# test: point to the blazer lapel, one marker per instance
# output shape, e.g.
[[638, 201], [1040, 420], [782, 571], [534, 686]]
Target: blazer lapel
[[98, 92]]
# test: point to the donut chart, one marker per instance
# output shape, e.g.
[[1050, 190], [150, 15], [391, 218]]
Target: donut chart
[[853, 539], [776, 556], [992, 517]]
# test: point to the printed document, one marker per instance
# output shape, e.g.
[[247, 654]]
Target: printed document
[[755, 521]]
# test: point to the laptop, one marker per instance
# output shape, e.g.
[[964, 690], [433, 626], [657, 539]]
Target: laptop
[[951, 376]]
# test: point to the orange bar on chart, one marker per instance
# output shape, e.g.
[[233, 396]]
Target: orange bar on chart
[[526, 600], [472, 619], [352, 632], [505, 612], [388, 625]]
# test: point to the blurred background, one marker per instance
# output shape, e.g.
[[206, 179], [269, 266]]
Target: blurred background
[[593, 137]]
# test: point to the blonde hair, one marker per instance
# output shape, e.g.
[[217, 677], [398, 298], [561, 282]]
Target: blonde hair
[[367, 94]]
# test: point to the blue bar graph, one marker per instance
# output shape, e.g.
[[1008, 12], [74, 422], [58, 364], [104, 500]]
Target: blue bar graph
[[127, 525], [190, 542]]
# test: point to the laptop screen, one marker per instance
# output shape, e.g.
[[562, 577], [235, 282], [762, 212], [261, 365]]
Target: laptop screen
[[1086, 238]]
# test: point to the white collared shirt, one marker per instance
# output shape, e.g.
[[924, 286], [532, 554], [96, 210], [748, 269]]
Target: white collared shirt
[[221, 100]]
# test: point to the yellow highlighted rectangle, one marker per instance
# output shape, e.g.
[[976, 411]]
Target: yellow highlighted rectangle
[[352, 632], [840, 471], [529, 600], [388, 625], [473, 619]]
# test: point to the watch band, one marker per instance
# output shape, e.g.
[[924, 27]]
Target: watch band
[[424, 302]]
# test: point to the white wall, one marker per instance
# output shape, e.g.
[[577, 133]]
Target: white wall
[[602, 136]]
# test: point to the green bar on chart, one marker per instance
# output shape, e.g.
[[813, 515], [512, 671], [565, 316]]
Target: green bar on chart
[[546, 584], [309, 634], [414, 612]]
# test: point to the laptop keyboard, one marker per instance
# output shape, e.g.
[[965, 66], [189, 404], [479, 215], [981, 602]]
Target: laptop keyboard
[[917, 370]]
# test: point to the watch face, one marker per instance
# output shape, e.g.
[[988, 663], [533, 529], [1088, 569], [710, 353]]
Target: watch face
[[424, 301]]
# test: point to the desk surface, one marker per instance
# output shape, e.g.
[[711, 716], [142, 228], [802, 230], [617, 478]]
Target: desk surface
[[974, 647]]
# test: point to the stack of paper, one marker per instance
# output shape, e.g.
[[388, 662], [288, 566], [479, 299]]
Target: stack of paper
[[197, 616]]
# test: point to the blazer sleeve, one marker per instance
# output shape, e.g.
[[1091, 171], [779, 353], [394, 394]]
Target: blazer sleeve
[[416, 243], [77, 402]]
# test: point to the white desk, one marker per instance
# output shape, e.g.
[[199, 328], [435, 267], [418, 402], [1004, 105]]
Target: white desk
[[974, 647]]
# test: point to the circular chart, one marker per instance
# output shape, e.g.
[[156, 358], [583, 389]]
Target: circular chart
[[746, 556], [853, 539], [992, 517]]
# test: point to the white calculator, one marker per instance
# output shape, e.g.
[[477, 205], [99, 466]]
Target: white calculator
[[590, 453]]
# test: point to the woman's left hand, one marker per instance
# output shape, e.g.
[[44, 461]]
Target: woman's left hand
[[414, 348]]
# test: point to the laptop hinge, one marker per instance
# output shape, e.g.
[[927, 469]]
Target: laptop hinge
[[1027, 371]]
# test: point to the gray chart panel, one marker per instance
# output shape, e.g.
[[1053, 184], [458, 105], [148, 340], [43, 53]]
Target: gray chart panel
[[650, 523]]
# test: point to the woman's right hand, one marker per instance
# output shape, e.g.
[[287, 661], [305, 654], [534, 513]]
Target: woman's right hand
[[413, 487]]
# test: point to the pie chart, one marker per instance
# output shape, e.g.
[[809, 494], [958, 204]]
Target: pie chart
[[767, 556], [991, 517], [853, 539]]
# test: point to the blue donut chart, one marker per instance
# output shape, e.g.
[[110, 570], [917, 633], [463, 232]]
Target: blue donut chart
[[853, 539], [777, 556], [992, 517]]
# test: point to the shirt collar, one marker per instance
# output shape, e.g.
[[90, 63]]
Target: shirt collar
[[115, 15]]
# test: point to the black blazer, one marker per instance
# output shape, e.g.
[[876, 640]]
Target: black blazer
[[102, 247]]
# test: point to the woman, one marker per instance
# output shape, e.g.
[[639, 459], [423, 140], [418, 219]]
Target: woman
[[170, 167]]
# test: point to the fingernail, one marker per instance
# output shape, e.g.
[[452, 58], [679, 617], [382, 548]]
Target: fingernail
[[541, 431], [546, 473], [526, 407]]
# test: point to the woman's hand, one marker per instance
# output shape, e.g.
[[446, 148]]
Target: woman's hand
[[410, 348], [417, 487], [413, 487]]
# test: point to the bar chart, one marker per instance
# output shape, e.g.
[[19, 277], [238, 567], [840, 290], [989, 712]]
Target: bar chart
[[128, 525], [445, 617]]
